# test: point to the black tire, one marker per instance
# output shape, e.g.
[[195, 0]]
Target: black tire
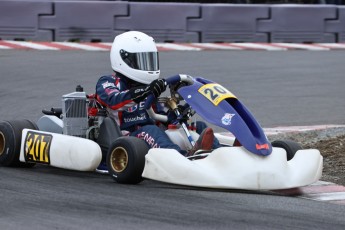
[[290, 147], [126, 160], [10, 142]]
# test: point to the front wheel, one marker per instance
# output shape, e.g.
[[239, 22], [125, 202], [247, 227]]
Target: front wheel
[[10, 142], [290, 147], [126, 160]]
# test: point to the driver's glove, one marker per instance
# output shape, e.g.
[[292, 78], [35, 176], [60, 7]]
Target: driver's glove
[[139, 93], [157, 87]]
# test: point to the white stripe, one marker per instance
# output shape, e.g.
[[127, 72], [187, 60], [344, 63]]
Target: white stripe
[[334, 45], [302, 128], [106, 43], [320, 182], [261, 46], [81, 46], [32, 45], [302, 46], [176, 46], [326, 196], [216, 46], [5, 47]]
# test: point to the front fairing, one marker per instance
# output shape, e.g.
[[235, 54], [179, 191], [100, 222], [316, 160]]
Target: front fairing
[[227, 112]]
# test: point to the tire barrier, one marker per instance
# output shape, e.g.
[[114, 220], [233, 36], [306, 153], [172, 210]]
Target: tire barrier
[[101, 21], [297, 23], [165, 22], [20, 20], [88, 21]]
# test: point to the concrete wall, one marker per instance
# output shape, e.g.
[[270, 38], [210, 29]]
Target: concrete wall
[[170, 22]]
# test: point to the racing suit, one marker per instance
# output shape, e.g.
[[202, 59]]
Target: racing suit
[[113, 93]]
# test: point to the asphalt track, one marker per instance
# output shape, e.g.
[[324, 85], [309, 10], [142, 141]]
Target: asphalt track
[[280, 88]]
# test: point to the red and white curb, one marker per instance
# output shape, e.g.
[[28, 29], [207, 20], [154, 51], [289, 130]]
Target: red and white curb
[[319, 191], [103, 46], [292, 129]]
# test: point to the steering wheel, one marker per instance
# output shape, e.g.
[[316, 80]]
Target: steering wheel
[[174, 80]]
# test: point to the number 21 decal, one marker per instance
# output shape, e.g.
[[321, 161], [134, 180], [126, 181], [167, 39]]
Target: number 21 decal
[[215, 93]]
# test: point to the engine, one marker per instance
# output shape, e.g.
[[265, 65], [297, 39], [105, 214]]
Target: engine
[[75, 117]]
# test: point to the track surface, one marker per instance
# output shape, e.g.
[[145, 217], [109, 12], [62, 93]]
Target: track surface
[[280, 88]]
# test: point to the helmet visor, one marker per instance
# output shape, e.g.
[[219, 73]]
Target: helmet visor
[[147, 61]]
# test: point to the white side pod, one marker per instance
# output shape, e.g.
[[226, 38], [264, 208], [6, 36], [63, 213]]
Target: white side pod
[[62, 151], [235, 168]]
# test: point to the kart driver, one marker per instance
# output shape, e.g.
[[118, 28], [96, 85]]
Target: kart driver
[[134, 59]]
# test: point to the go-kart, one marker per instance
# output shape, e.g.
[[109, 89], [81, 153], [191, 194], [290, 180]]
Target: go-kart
[[75, 137]]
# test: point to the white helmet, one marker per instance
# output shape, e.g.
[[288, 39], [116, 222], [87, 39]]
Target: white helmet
[[134, 54]]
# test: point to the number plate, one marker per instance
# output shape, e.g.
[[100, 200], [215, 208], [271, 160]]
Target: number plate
[[215, 93], [37, 147]]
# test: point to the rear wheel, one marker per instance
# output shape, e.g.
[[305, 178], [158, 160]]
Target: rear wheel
[[10, 142], [126, 160], [290, 147]]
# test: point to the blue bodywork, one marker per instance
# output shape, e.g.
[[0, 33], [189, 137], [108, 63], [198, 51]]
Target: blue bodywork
[[229, 114]]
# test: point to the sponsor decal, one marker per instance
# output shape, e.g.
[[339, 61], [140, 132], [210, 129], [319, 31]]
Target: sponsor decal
[[142, 105], [139, 90], [142, 117], [226, 119], [264, 146], [108, 84], [215, 93], [148, 139], [37, 147], [132, 109]]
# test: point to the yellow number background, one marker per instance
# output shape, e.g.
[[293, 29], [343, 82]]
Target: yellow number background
[[215, 93]]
